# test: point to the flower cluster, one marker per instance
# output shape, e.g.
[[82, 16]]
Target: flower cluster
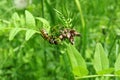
[[64, 34]]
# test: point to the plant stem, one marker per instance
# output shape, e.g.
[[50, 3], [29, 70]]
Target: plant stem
[[112, 46], [80, 11], [117, 48], [42, 3], [84, 29], [93, 76]]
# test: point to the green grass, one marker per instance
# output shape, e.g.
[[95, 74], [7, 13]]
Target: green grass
[[26, 55]]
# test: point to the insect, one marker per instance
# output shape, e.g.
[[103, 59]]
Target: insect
[[44, 34], [49, 38], [65, 33]]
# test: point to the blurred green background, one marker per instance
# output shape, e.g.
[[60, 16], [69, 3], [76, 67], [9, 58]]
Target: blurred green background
[[36, 59]]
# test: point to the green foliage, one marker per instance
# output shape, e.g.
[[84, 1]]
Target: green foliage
[[14, 32], [15, 17], [100, 60], [117, 65], [25, 55], [46, 24], [78, 64], [30, 21], [29, 34]]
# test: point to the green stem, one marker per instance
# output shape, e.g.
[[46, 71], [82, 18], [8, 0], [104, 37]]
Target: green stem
[[117, 48], [112, 46], [93, 76], [84, 29], [80, 11], [42, 3]]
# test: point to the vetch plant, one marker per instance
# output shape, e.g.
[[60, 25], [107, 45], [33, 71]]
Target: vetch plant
[[77, 64], [69, 44]]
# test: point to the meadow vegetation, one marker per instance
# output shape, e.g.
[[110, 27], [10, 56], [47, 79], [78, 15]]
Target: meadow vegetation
[[60, 40]]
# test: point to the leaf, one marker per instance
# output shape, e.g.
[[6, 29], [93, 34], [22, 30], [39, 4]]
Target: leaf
[[46, 24], [117, 72], [29, 34], [30, 21], [117, 65], [100, 61], [14, 32], [15, 17], [106, 71], [22, 20], [77, 62], [118, 33]]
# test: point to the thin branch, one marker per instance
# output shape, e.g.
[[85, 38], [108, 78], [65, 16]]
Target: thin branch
[[93, 76]]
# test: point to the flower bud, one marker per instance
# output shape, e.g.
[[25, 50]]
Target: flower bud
[[21, 4]]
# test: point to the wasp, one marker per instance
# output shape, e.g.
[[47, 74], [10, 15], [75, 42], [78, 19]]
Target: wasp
[[44, 34], [49, 38]]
